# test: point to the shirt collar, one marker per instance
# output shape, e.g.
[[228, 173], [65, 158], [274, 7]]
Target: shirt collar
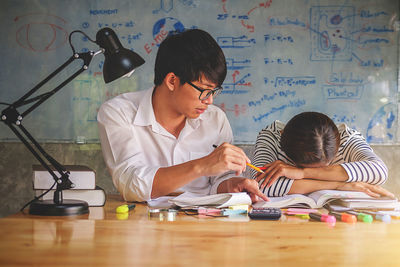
[[145, 114]]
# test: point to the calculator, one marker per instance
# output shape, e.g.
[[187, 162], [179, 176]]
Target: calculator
[[265, 213]]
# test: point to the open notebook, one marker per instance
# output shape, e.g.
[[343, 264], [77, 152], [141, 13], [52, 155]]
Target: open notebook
[[188, 199], [316, 199]]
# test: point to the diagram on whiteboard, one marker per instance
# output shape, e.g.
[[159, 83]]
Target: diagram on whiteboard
[[330, 32]]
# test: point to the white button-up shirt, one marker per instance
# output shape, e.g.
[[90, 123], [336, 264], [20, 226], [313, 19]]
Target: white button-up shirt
[[135, 145]]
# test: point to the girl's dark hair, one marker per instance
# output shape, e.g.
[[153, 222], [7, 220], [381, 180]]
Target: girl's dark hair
[[189, 55], [310, 137]]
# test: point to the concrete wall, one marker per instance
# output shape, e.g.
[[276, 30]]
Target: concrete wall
[[16, 169]]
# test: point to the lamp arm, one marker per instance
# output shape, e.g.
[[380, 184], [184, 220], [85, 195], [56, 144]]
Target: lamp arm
[[12, 118]]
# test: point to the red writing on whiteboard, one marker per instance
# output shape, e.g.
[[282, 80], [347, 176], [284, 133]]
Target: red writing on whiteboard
[[157, 40]]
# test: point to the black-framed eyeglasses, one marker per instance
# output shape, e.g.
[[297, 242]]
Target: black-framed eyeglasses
[[206, 93]]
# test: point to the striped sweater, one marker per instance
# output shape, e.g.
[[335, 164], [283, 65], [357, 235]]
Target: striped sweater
[[354, 155]]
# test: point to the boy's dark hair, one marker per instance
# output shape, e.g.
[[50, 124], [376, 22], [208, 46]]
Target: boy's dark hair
[[190, 54], [310, 137]]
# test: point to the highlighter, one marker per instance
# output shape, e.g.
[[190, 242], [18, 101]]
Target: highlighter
[[125, 208], [361, 216], [322, 217], [303, 216], [379, 216], [344, 217]]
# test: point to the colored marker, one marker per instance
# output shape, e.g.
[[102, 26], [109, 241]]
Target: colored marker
[[394, 214], [344, 217], [379, 216], [322, 217], [361, 216], [125, 208], [303, 216]]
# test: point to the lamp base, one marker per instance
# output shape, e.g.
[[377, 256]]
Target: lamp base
[[68, 207]]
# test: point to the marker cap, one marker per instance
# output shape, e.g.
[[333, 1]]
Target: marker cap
[[365, 217], [348, 218], [328, 218], [383, 217]]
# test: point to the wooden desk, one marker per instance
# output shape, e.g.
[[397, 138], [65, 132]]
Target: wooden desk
[[137, 241]]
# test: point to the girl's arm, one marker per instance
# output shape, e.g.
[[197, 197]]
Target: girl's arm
[[306, 186], [362, 164]]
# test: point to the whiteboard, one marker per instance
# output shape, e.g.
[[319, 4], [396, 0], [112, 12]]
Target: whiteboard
[[283, 57]]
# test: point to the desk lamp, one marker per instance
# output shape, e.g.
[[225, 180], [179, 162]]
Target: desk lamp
[[118, 62]]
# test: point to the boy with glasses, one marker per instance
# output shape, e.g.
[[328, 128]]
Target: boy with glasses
[[161, 140]]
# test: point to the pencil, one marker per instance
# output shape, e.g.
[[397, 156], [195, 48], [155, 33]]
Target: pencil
[[254, 167], [248, 164]]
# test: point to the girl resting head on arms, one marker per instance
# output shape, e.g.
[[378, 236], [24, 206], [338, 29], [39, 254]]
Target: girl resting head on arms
[[311, 153]]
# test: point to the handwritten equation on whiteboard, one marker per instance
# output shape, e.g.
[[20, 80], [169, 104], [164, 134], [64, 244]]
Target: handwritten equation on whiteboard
[[283, 57]]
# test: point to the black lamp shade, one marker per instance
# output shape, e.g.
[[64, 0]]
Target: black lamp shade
[[118, 60]]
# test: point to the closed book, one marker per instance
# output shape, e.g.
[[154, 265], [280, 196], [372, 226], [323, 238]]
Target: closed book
[[94, 197], [82, 176]]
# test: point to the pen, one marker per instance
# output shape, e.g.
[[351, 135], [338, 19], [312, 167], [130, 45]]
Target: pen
[[248, 164], [361, 216], [322, 217], [344, 217]]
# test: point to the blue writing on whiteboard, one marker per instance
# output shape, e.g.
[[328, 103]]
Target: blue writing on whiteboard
[[294, 81], [369, 63], [343, 119], [286, 21], [351, 92], [374, 29], [368, 14], [373, 41], [264, 98], [235, 42], [279, 61], [277, 38], [233, 64], [95, 12], [225, 16], [345, 78], [292, 104]]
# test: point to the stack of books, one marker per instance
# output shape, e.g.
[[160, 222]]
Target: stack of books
[[84, 179], [331, 198]]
